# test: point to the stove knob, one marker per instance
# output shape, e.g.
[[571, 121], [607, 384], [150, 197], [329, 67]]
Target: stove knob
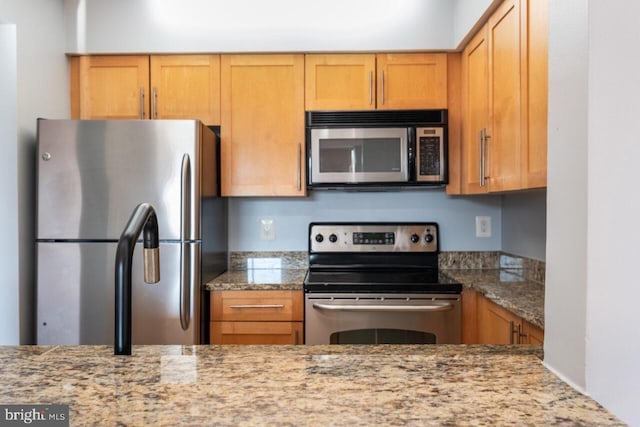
[[333, 238], [415, 238], [319, 238], [428, 238]]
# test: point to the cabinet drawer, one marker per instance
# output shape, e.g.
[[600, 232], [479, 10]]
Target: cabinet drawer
[[256, 333], [260, 306]]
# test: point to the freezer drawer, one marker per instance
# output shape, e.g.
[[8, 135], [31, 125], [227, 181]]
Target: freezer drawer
[[75, 295]]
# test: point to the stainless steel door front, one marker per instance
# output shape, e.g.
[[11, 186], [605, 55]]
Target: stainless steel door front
[[75, 300], [93, 173], [349, 319]]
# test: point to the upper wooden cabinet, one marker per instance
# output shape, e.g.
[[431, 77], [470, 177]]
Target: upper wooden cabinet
[[142, 87], [110, 87], [504, 81], [412, 81], [340, 82], [186, 86], [505, 98], [382, 81], [475, 115], [534, 158], [262, 125]]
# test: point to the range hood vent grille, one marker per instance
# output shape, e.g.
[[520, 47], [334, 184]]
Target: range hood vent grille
[[376, 118]]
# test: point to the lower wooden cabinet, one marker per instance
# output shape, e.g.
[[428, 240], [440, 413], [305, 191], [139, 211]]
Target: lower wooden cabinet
[[256, 332], [256, 317], [485, 322]]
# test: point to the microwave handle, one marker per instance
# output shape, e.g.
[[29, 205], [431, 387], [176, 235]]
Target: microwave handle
[[412, 148]]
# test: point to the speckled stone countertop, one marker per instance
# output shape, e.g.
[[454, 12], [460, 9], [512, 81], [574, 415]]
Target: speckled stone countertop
[[297, 386], [507, 288], [258, 279], [262, 271]]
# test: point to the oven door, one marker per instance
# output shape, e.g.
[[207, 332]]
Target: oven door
[[359, 155], [382, 319]]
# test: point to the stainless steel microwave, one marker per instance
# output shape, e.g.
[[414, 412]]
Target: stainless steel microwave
[[391, 148]]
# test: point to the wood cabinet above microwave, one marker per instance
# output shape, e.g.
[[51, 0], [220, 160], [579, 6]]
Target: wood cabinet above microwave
[[375, 81], [143, 87]]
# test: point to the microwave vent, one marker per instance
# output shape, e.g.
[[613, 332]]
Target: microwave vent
[[376, 118]]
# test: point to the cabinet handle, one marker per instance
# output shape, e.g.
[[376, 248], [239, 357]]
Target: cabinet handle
[[382, 87], [370, 87], [297, 338], [513, 331], [520, 334], [154, 108], [141, 103], [257, 306], [299, 167], [483, 158]]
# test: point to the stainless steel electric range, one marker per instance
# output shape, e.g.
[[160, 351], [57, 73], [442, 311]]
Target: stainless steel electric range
[[378, 283]]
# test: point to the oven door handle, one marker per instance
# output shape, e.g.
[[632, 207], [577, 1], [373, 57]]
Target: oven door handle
[[438, 306]]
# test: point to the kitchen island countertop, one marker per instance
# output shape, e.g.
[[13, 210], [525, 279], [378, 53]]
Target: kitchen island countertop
[[297, 385]]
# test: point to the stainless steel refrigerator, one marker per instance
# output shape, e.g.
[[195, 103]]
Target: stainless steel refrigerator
[[91, 175]]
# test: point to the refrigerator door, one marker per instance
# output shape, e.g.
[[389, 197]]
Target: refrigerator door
[[93, 173], [76, 286]]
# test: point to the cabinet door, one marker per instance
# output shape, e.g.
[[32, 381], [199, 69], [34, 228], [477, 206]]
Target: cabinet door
[[262, 125], [469, 316], [265, 333], [531, 334], [411, 81], [475, 122], [534, 159], [505, 68], [186, 87], [112, 87], [340, 82], [496, 325]]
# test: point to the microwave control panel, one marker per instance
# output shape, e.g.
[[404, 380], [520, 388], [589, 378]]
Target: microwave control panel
[[430, 154]]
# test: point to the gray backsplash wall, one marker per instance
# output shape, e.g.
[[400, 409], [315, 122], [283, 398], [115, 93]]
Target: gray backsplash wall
[[455, 215], [524, 224]]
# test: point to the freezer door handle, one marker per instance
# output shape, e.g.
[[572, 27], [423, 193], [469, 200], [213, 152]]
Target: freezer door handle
[[185, 255]]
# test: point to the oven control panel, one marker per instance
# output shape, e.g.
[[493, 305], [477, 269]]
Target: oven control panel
[[373, 237]]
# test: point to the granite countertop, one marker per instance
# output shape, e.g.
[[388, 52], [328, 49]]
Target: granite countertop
[[297, 385], [258, 279], [507, 288]]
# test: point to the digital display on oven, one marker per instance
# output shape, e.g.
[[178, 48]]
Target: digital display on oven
[[383, 238]]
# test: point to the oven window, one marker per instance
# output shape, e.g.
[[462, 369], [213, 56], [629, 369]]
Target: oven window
[[351, 155], [382, 336]]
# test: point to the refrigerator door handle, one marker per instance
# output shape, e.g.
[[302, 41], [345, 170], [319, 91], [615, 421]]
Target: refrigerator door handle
[[185, 255]]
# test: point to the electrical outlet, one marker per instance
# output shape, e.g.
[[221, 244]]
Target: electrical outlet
[[483, 226], [267, 229]]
